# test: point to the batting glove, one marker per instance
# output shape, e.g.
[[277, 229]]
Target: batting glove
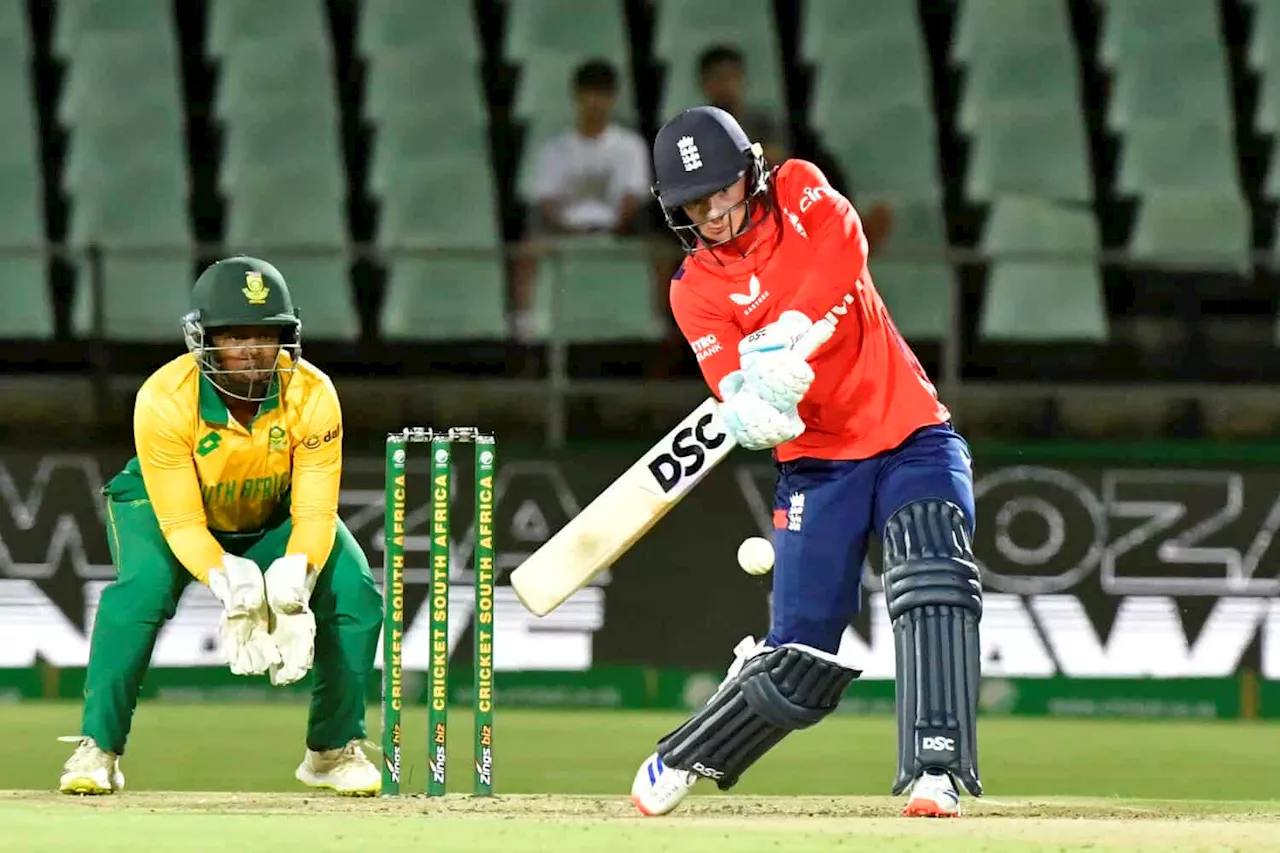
[[245, 628], [773, 369], [289, 583], [753, 423]]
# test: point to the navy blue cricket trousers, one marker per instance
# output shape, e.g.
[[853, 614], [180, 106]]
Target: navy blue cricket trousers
[[823, 513]]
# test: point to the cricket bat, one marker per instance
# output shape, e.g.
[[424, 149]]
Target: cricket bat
[[632, 504]]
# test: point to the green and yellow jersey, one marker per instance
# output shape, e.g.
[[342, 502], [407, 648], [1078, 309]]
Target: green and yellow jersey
[[205, 473]]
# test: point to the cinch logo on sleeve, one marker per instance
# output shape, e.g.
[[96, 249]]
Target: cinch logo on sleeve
[[705, 347], [811, 196]]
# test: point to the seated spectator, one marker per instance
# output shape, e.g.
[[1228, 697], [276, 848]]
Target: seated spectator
[[591, 179], [722, 73]]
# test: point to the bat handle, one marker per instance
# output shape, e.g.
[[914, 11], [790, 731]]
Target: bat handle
[[817, 335]]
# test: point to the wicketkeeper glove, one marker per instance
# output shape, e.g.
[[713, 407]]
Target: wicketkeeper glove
[[245, 629], [753, 423], [289, 583], [773, 369]]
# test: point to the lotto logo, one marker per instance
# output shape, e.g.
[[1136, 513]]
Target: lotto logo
[[938, 744]]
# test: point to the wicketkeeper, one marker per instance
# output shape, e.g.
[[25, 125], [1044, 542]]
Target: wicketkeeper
[[235, 485]]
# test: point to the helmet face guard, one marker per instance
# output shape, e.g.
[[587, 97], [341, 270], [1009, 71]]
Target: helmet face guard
[[756, 204], [244, 384]]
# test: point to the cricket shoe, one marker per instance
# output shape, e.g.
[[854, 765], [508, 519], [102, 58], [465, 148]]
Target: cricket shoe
[[658, 789], [933, 795], [90, 770], [346, 770]]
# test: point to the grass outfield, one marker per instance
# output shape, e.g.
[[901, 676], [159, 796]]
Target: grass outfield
[[562, 779]]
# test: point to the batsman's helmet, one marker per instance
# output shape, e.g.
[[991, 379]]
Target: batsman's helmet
[[696, 154], [241, 291]]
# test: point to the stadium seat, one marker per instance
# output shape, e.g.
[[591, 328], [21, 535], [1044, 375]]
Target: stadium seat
[[1264, 38], [143, 298], [13, 18], [1175, 155], [1271, 189], [1016, 80], [544, 91], [879, 76], [596, 290], [1205, 231], [26, 308], [295, 21], [828, 31], [320, 285], [400, 83], [444, 29], [257, 76], [151, 20], [444, 298], [894, 151], [152, 137], [1267, 116], [1043, 155], [285, 212], [106, 65], [142, 205], [917, 290], [574, 29], [984, 26], [403, 144], [293, 141], [1129, 25], [428, 210], [1187, 82], [21, 206], [683, 29], [1039, 301]]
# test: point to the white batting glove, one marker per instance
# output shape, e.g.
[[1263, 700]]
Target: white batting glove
[[753, 423], [289, 584], [245, 629], [773, 369]]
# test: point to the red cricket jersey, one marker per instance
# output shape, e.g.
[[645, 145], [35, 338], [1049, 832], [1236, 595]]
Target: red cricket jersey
[[869, 392]]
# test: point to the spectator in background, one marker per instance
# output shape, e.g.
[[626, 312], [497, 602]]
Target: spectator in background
[[591, 179], [722, 71]]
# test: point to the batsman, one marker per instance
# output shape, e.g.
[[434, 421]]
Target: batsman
[[862, 447], [235, 486]]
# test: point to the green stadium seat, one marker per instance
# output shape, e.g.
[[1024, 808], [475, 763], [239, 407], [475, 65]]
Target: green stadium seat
[[286, 212], [1134, 24], [401, 145], [21, 146], [13, 18], [596, 290], [875, 77], [1207, 231], [444, 28], [683, 29], [1016, 80], [26, 309], [149, 19], [261, 76], [21, 206], [575, 29], [1043, 155], [407, 83], [894, 151], [908, 269], [1041, 301], [294, 141], [444, 298], [143, 298], [427, 209], [151, 137], [986, 25], [1175, 155], [828, 31], [1176, 81], [1263, 53], [1268, 111], [106, 65], [1271, 189], [295, 21], [544, 91], [138, 205]]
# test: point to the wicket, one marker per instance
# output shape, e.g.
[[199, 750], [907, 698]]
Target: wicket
[[437, 602]]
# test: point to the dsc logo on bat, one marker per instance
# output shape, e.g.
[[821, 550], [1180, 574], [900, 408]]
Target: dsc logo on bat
[[685, 452]]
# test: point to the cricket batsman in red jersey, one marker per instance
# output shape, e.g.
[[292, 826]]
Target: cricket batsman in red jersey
[[862, 446]]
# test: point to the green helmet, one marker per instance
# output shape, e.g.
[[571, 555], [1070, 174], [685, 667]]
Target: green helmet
[[241, 291]]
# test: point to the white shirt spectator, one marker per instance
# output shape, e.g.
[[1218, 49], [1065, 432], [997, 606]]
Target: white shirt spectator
[[587, 178]]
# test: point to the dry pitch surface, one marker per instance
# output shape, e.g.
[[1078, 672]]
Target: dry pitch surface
[[160, 822]]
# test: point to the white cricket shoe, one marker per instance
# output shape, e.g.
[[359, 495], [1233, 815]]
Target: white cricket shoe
[[347, 771], [658, 789], [933, 795], [90, 770]]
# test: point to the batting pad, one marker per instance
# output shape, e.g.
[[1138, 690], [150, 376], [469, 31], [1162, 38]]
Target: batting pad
[[934, 595], [781, 690]]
